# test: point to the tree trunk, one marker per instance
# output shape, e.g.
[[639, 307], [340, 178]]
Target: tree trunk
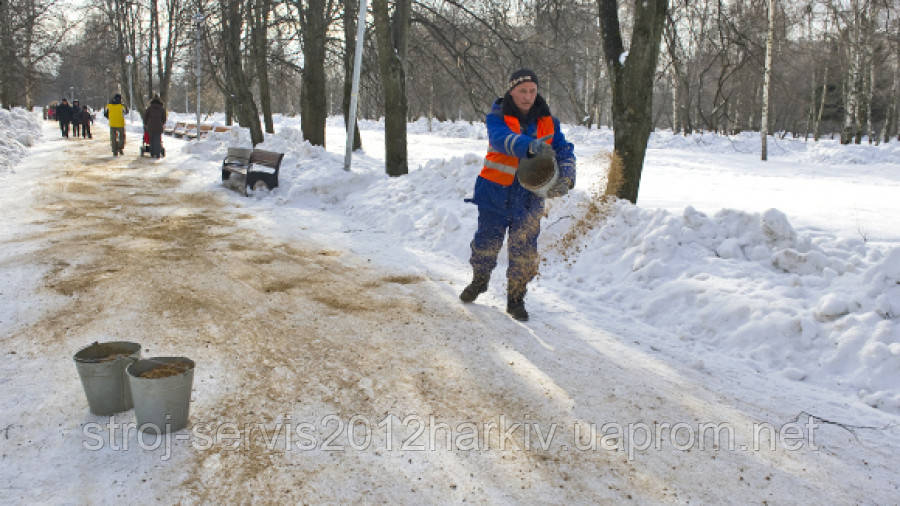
[[431, 101], [890, 120], [870, 75], [811, 112], [7, 57], [313, 98], [152, 37], [870, 95], [767, 82], [631, 80], [673, 76], [166, 53], [818, 123], [391, 35], [261, 10], [854, 74], [350, 13], [244, 105]]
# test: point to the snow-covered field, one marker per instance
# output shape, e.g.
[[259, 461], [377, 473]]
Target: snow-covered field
[[749, 274]]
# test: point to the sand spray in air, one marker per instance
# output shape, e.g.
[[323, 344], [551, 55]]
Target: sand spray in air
[[594, 211]]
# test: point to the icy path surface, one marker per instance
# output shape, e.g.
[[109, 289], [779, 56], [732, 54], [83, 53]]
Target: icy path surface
[[324, 376]]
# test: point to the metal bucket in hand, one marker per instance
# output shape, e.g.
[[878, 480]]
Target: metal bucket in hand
[[538, 174]]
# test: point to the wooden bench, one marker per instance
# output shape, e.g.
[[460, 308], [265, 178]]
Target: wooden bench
[[179, 129], [190, 131], [222, 128], [204, 130], [168, 128], [258, 168]]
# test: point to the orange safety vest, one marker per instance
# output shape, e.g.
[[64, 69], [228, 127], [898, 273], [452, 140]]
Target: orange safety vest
[[501, 168]]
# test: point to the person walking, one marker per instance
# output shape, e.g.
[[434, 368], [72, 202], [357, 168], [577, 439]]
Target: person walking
[[64, 116], [76, 118], [116, 111], [154, 121], [519, 126], [86, 119]]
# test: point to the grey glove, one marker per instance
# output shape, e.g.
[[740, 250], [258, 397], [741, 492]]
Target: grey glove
[[540, 147], [560, 188]]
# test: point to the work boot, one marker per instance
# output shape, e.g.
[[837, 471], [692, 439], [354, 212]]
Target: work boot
[[515, 306], [478, 286]]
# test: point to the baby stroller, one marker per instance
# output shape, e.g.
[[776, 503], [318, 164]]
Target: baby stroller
[[145, 145]]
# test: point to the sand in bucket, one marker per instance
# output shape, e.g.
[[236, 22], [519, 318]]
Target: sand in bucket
[[161, 387]]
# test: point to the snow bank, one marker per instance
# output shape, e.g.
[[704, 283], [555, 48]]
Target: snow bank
[[19, 129], [748, 286]]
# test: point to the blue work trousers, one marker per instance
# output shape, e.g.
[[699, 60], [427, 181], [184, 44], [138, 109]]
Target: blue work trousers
[[522, 246]]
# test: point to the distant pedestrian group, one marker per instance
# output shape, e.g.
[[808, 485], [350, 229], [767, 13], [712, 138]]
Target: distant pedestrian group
[[80, 119]]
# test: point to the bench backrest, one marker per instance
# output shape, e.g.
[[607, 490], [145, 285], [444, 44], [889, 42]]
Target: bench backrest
[[221, 129], [267, 158], [179, 125], [206, 128], [238, 155]]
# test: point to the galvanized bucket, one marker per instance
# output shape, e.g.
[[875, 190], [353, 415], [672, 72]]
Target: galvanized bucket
[[538, 174], [101, 367], [161, 387]]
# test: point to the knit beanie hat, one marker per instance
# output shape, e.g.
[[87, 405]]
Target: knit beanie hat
[[521, 76]]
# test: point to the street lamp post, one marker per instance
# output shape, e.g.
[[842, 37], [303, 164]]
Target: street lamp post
[[198, 68], [354, 87], [130, 61]]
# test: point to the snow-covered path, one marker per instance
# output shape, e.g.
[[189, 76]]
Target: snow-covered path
[[301, 334]]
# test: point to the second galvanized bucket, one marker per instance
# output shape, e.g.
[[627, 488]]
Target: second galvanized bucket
[[101, 367], [161, 387]]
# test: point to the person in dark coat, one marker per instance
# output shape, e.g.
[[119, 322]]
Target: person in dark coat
[[86, 119], [154, 121], [76, 118], [64, 116]]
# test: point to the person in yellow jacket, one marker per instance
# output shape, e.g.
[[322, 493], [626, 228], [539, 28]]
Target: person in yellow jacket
[[116, 112]]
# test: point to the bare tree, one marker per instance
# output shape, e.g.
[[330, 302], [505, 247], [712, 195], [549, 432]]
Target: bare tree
[[767, 82], [30, 38], [260, 10], [631, 80], [237, 81], [890, 122], [391, 32], [175, 23], [314, 20]]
